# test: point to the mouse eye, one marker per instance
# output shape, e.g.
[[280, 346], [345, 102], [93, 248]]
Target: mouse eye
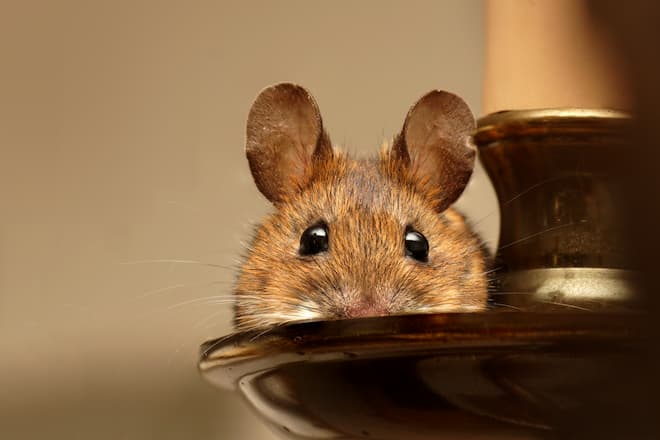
[[416, 245], [314, 240]]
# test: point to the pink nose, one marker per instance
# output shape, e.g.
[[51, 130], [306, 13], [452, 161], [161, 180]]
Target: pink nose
[[365, 310]]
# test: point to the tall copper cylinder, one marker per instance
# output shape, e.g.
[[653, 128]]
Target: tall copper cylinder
[[561, 241]]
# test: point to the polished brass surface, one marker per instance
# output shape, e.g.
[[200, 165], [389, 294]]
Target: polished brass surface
[[560, 206], [496, 375]]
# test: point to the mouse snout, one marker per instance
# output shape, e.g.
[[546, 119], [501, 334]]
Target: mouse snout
[[366, 301], [366, 310]]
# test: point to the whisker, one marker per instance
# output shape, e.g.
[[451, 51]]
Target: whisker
[[202, 322], [269, 329], [178, 286], [162, 261], [488, 272], [536, 234], [526, 191], [572, 306], [215, 299], [505, 305], [216, 343]]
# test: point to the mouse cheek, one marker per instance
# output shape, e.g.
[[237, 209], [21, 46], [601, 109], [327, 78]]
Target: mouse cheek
[[437, 259], [308, 312]]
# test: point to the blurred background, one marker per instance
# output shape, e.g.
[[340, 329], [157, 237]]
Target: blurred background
[[125, 196]]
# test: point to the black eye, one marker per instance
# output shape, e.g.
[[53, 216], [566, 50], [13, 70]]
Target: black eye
[[416, 245], [314, 240]]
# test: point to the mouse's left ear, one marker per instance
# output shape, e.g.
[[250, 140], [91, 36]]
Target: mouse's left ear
[[435, 146]]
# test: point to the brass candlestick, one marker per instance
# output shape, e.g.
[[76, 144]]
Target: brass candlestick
[[561, 240]]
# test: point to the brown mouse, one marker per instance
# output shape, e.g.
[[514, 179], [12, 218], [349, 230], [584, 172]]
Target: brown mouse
[[356, 238]]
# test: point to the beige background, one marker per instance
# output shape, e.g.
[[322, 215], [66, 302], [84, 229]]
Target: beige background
[[121, 136]]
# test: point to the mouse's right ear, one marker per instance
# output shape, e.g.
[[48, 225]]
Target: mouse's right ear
[[285, 139]]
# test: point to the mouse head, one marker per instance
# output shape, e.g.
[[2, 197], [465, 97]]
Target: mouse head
[[353, 238]]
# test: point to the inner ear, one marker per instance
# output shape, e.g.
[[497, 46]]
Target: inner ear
[[284, 140], [435, 146]]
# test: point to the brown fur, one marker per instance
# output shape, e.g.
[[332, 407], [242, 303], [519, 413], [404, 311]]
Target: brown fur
[[367, 205]]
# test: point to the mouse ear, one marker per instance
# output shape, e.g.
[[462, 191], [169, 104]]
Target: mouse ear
[[285, 138], [435, 146]]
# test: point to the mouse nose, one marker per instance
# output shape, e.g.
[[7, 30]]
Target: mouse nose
[[365, 310]]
